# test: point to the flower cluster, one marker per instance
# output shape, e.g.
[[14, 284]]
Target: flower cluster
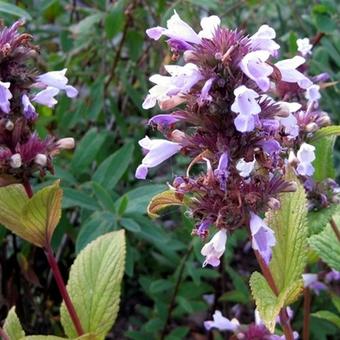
[[22, 152], [241, 114]]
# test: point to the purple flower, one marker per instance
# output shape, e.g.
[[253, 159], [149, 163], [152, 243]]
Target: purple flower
[[203, 227], [290, 122], [5, 96], [182, 79], [305, 156], [58, 80], [215, 248], [245, 168], [313, 93], [247, 107], [29, 110], [270, 146], [158, 150], [304, 46], [164, 120], [311, 281], [205, 97], [46, 97], [221, 171], [176, 29], [221, 323], [333, 275], [290, 74], [263, 238], [255, 67], [263, 40]]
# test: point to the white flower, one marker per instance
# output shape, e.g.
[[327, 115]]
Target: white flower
[[290, 74], [180, 81], [263, 40], [313, 93], [209, 26], [46, 97], [304, 46], [247, 107], [245, 168], [305, 156], [221, 323], [158, 150], [58, 80], [255, 67], [215, 248], [290, 122]]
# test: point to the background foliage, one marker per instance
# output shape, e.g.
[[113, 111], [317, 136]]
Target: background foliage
[[109, 59]]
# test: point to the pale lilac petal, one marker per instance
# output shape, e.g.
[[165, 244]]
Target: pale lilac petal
[[215, 248], [304, 46], [204, 97], [29, 110], [71, 91], [313, 93], [46, 97], [165, 119], [55, 79], [155, 32], [209, 26], [263, 40], [141, 172], [5, 96], [221, 323], [271, 146], [244, 123], [245, 101], [306, 153], [245, 168], [149, 102]]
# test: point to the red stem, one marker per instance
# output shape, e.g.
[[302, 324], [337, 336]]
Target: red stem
[[3, 335], [306, 313], [335, 228], [62, 289], [28, 188], [284, 319]]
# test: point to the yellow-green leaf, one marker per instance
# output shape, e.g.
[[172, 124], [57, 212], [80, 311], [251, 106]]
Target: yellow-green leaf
[[12, 326], [33, 219], [42, 212], [163, 200], [52, 337], [94, 285], [333, 130], [290, 227]]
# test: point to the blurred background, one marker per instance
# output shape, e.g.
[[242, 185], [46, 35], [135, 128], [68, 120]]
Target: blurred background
[[166, 294]]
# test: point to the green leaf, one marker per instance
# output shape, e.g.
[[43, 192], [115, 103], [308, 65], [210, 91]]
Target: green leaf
[[317, 220], [130, 225], [324, 164], [16, 11], [267, 303], [76, 198], [87, 150], [290, 227], [163, 200], [113, 168], [333, 130], [94, 285], [114, 20], [329, 316], [33, 219], [103, 196], [12, 326], [85, 26], [327, 246]]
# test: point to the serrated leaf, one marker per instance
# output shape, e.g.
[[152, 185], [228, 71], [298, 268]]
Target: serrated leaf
[[267, 303], [324, 163], [12, 326], [94, 285], [163, 200], [333, 130], [327, 246], [290, 227], [329, 316], [33, 219], [52, 337], [317, 220]]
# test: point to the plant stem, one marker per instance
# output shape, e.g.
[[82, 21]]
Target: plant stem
[[306, 313], [284, 319], [28, 188], [62, 289], [335, 228], [3, 335], [174, 294]]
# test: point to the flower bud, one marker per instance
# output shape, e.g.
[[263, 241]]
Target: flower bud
[[292, 159], [9, 125], [189, 56], [311, 127], [66, 143], [177, 136], [323, 120], [40, 159], [15, 161], [274, 203], [170, 103]]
